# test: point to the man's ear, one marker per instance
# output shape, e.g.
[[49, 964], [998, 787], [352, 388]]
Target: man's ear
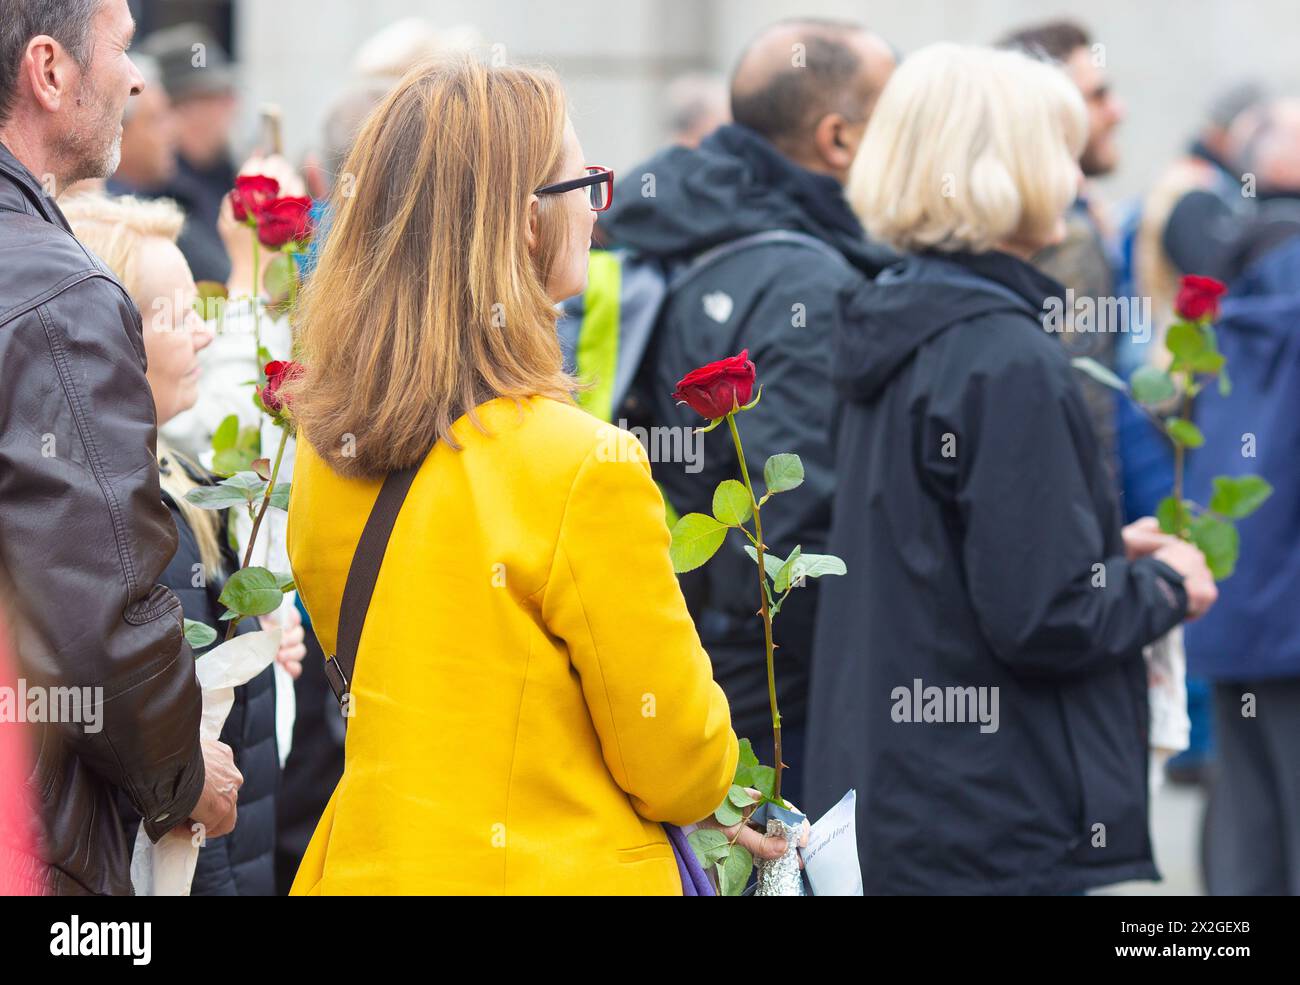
[[833, 142], [50, 71], [530, 224]]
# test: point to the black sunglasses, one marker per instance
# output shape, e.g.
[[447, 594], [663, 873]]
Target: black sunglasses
[[600, 184]]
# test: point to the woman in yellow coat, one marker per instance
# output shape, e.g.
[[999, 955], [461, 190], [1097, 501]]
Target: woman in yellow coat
[[530, 698]]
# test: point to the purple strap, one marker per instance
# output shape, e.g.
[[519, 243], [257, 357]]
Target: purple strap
[[694, 881]]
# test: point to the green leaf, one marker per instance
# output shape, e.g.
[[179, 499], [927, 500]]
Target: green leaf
[[210, 301], [764, 778], [211, 289], [696, 538], [226, 434], [242, 487], [739, 797], [252, 592], [745, 765], [727, 814], [734, 871], [1225, 384], [1185, 343], [280, 495], [228, 461], [1184, 432], [816, 565], [198, 635], [747, 755], [771, 563], [1193, 348], [731, 503], [783, 472], [1152, 386], [279, 272], [1173, 519], [753, 403], [214, 497], [781, 582], [1099, 373], [709, 845], [285, 579], [1239, 496], [1219, 542]]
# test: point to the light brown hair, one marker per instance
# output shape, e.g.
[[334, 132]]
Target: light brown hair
[[426, 301]]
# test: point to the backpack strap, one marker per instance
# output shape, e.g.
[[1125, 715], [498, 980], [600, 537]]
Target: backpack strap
[[362, 575], [768, 237]]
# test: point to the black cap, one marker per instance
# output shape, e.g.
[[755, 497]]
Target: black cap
[[191, 61]]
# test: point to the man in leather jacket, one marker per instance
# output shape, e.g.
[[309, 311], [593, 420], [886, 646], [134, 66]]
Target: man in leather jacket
[[83, 529]]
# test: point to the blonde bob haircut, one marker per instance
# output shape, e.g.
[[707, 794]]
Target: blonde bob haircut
[[113, 227], [969, 147], [426, 301]]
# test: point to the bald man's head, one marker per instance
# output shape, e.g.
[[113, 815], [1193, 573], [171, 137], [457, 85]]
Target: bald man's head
[[1271, 148], [809, 86]]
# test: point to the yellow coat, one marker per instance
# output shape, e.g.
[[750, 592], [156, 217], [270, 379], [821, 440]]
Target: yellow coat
[[531, 697]]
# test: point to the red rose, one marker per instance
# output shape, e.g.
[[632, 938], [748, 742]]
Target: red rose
[[278, 373], [252, 193], [1198, 297], [285, 220], [717, 389]]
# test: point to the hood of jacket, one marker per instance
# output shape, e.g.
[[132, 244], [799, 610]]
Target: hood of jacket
[[889, 318], [685, 200]]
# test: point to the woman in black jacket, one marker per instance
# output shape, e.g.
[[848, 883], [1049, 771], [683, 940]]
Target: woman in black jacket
[[137, 240], [978, 677], [241, 863]]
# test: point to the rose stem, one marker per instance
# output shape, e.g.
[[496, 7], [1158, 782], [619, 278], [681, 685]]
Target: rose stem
[[767, 615], [257, 522]]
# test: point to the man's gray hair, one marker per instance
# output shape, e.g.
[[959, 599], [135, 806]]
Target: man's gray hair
[[66, 21]]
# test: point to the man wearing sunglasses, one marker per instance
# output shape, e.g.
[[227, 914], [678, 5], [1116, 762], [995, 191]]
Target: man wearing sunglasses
[[758, 210]]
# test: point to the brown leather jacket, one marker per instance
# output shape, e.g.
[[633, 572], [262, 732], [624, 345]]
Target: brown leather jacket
[[84, 535]]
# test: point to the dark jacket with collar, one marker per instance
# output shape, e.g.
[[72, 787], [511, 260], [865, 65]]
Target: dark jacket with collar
[[780, 301], [85, 535], [984, 551]]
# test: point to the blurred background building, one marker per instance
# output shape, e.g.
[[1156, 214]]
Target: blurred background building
[[1166, 60]]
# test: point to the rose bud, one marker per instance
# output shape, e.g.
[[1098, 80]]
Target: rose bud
[[285, 220], [1198, 297], [251, 194], [717, 389]]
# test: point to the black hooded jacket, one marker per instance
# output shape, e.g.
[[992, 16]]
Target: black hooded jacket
[[779, 301], [984, 553], [241, 863]]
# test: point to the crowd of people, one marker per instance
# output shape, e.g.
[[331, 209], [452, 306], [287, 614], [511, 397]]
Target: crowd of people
[[486, 322]]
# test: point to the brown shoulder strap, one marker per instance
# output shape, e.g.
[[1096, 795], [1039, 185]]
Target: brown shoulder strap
[[362, 575]]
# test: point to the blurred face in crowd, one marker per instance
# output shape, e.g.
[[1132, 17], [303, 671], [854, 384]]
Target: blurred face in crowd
[[1105, 113], [89, 133], [148, 140], [174, 334], [204, 124], [572, 211]]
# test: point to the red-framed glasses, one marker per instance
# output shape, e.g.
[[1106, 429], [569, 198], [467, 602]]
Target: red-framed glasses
[[598, 181]]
